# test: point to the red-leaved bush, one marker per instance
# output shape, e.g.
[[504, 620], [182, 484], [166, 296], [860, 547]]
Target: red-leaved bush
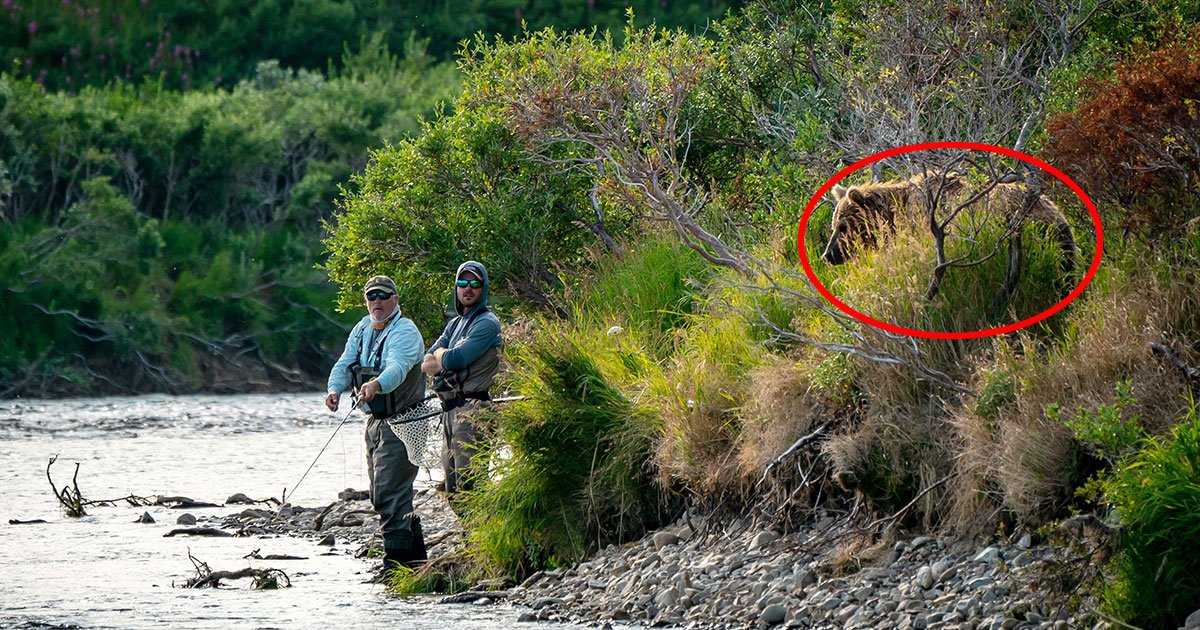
[[1134, 143]]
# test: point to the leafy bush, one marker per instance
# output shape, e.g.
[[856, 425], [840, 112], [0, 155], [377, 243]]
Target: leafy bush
[[1156, 497], [1107, 431], [463, 190], [1133, 144]]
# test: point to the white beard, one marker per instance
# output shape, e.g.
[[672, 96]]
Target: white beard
[[395, 311]]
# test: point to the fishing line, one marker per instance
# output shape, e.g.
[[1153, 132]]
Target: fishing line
[[353, 407]]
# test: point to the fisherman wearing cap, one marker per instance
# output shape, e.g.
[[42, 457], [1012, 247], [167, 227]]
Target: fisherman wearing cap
[[464, 362], [382, 362]]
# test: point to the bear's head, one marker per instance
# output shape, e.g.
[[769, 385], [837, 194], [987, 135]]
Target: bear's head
[[860, 212], [856, 217]]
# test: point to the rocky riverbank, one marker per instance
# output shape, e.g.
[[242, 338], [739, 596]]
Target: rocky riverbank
[[349, 523], [704, 573], [739, 575]]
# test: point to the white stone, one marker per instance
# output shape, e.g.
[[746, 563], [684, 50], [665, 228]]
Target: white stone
[[924, 578]]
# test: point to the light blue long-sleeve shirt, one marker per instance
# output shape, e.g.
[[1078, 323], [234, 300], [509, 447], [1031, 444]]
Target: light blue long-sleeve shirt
[[402, 349]]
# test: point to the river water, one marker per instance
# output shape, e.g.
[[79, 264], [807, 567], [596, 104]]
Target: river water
[[106, 570]]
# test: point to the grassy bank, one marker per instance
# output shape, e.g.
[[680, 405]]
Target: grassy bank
[[709, 373]]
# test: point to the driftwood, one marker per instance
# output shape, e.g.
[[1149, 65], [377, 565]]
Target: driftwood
[[320, 520], [254, 555], [1167, 355], [263, 578], [197, 531], [470, 597], [178, 503], [15, 521], [70, 498]]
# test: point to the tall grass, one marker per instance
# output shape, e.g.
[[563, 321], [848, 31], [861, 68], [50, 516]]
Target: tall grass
[[572, 465], [570, 461], [1018, 458]]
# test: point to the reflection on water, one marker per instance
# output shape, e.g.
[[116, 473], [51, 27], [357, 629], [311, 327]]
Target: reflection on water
[[108, 571]]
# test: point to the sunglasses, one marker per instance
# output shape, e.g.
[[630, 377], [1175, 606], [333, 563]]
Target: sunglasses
[[378, 295], [474, 284]]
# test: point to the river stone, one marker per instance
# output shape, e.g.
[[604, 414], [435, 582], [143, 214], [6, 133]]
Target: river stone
[[1193, 621], [350, 494], [664, 539], [773, 614], [943, 570], [543, 602], [328, 540], [185, 519], [239, 498], [145, 518], [989, 555], [924, 578], [763, 539]]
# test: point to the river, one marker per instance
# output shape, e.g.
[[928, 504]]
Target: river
[[106, 570]]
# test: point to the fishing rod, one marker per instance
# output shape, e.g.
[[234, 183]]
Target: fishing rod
[[353, 407]]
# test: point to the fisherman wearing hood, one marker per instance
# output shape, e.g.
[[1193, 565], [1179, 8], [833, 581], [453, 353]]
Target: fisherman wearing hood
[[464, 362], [381, 361]]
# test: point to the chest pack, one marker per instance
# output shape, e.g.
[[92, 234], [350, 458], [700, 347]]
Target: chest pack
[[448, 384], [382, 405]]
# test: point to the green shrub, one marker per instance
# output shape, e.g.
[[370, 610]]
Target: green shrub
[[1156, 497], [1106, 431]]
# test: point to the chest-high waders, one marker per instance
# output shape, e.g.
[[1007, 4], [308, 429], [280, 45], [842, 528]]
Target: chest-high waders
[[390, 471], [382, 405], [460, 432]]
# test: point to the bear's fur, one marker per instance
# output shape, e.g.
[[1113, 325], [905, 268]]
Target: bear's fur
[[862, 212]]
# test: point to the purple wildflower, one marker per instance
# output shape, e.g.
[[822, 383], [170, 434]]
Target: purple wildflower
[[32, 29]]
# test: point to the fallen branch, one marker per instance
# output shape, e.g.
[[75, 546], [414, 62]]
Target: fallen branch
[[274, 556], [341, 521], [70, 497], [470, 597], [320, 520], [263, 578], [792, 449], [1168, 355]]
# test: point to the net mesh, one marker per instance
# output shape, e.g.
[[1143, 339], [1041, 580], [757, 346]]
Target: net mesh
[[420, 428]]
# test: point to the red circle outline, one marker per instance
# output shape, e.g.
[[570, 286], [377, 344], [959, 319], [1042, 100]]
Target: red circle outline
[[969, 334]]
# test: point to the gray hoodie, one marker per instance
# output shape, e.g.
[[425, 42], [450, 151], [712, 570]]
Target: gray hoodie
[[472, 339]]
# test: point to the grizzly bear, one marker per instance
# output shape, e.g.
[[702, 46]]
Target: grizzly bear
[[862, 212]]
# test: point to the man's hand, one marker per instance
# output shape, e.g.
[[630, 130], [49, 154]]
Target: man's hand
[[331, 401], [368, 390], [431, 364]]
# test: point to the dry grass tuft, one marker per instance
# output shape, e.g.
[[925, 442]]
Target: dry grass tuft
[[1015, 457], [781, 408]]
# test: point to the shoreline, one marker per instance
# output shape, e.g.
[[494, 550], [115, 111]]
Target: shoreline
[[742, 575], [706, 572]]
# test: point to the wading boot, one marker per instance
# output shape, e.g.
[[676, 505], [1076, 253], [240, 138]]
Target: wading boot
[[418, 539]]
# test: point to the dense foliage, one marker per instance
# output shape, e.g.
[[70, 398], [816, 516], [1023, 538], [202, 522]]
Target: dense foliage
[[975, 435], [1133, 141], [220, 196], [74, 43]]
